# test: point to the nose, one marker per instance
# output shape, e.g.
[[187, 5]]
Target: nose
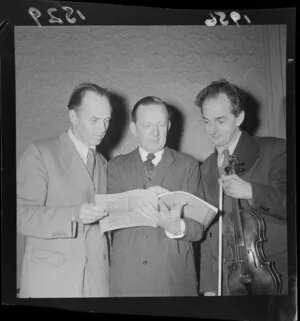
[[102, 126], [155, 130], [212, 128]]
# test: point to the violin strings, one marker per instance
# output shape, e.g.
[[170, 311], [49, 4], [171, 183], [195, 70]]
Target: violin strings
[[237, 240]]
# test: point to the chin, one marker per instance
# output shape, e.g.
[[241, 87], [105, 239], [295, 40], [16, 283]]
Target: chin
[[97, 142], [217, 142], [156, 149]]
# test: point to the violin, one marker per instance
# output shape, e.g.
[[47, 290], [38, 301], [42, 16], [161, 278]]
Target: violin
[[250, 273]]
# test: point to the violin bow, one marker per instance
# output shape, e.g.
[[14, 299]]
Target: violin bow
[[220, 239]]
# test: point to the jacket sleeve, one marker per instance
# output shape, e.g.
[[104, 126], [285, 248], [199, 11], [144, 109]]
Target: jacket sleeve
[[193, 229], [34, 218], [270, 198]]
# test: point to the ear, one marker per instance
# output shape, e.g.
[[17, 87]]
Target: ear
[[169, 124], [240, 118], [133, 129], [73, 116]]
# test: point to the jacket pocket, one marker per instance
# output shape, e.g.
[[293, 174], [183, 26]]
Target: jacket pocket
[[47, 257]]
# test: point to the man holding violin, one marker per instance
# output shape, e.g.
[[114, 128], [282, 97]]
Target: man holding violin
[[258, 187]]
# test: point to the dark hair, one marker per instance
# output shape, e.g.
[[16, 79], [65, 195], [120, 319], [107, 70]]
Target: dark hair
[[218, 87], [149, 100], [79, 92]]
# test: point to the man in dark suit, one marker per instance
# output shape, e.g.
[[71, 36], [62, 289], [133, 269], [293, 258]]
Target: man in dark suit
[[260, 187], [57, 178], [148, 261]]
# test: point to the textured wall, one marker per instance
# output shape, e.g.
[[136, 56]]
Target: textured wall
[[172, 62]]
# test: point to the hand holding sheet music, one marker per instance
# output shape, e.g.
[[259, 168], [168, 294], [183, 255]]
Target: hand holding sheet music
[[163, 215], [123, 211]]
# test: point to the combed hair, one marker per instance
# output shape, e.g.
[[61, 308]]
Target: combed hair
[[79, 92], [219, 87], [149, 100]]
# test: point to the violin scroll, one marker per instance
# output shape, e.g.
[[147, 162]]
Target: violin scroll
[[233, 166]]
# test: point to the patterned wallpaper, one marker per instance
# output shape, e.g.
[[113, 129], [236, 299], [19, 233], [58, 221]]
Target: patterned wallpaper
[[172, 62]]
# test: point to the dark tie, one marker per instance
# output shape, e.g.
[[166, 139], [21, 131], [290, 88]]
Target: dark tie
[[225, 162], [90, 162], [149, 166]]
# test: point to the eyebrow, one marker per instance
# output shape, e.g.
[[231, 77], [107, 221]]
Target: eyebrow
[[149, 123], [94, 117], [218, 118]]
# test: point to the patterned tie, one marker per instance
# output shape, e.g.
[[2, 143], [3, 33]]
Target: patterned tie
[[90, 163], [225, 162], [149, 166]]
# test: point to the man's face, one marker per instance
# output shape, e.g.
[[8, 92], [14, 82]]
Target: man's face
[[220, 123], [151, 127], [91, 120]]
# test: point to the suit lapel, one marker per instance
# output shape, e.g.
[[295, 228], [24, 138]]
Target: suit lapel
[[164, 168], [212, 177], [247, 152], [74, 167], [100, 179], [77, 173], [140, 179]]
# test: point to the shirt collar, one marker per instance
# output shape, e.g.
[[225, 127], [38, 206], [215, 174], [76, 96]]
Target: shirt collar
[[79, 145], [156, 160], [231, 147]]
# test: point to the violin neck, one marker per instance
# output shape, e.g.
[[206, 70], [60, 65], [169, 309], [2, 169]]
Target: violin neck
[[237, 221]]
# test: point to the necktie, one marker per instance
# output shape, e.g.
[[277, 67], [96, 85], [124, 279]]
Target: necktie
[[149, 166], [225, 162], [90, 163]]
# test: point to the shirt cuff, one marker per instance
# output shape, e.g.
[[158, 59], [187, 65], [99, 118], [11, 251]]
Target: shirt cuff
[[179, 235]]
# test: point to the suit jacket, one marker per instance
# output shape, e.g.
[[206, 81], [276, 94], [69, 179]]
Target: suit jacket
[[144, 261], [62, 258], [265, 169]]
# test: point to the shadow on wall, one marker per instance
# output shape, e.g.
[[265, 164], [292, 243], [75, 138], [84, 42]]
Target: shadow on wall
[[120, 119], [251, 107], [117, 126], [176, 129]]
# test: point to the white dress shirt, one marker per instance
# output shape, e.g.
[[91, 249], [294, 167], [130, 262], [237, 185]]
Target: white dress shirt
[[156, 160], [81, 148], [231, 147]]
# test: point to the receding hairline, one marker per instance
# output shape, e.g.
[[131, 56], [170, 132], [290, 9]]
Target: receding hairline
[[87, 91], [151, 106], [79, 92]]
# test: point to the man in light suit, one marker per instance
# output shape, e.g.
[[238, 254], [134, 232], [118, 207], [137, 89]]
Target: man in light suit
[[57, 178], [148, 261], [260, 187]]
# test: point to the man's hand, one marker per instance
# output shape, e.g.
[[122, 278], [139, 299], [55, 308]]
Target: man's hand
[[169, 219], [158, 190], [236, 187], [88, 213]]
